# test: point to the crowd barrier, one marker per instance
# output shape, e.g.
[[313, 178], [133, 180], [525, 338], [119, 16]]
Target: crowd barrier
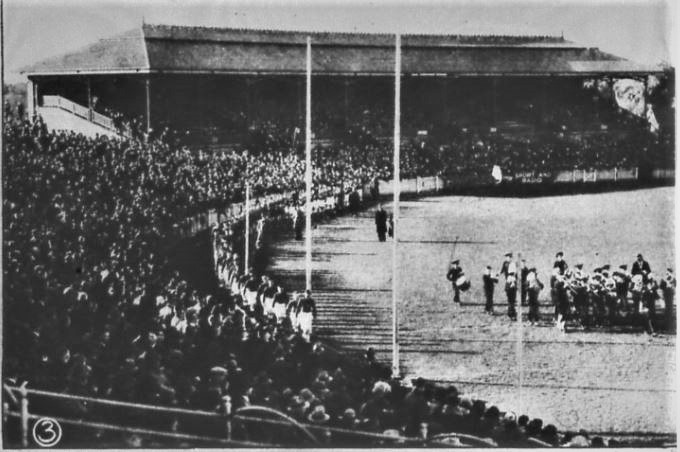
[[330, 198], [249, 426]]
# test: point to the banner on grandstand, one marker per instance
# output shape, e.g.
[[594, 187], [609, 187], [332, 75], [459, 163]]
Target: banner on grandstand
[[630, 96]]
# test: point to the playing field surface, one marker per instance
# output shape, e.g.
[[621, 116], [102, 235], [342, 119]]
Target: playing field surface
[[601, 380]]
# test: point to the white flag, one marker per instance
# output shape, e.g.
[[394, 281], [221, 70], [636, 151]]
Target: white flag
[[630, 95], [497, 174]]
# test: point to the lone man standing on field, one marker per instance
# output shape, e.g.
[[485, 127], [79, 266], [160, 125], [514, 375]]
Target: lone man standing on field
[[381, 223]]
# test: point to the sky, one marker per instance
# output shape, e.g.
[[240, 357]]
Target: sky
[[640, 30]]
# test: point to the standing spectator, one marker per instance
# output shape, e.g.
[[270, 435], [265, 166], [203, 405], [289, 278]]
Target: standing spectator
[[381, 222]]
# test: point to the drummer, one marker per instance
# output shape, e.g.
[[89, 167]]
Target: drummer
[[455, 272]]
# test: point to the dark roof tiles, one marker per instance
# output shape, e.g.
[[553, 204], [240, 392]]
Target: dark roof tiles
[[164, 48]]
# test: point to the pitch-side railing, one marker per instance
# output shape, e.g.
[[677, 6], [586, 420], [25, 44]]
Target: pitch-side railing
[[233, 433]]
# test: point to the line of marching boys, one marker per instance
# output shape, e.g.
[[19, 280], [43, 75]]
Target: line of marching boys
[[260, 297], [596, 299]]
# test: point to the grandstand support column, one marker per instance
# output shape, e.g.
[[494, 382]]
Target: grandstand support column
[[494, 99], [345, 83], [147, 96], [444, 95], [89, 98], [308, 168], [31, 99], [395, 206]]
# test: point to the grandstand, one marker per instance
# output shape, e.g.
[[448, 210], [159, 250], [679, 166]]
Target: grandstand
[[215, 83]]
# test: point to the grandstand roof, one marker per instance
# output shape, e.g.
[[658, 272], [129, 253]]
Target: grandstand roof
[[183, 49]]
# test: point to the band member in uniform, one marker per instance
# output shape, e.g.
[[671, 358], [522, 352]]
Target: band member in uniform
[[667, 286], [489, 284], [306, 314], [511, 292], [455, 271], [637, 286], [649, 296], [640, 267], [534, 287], [597, 301], [506, 265], [381, 223], [523, 272], [578, 286], [560, 262], [610, 295], [560, 298], [622, 280]]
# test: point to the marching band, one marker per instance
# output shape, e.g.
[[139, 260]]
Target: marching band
[[604, 297]]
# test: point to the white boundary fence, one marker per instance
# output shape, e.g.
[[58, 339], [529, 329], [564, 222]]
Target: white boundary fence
[[431, 184]]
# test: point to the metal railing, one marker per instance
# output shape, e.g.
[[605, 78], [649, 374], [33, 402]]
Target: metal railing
[[78, 110], [235, 424]]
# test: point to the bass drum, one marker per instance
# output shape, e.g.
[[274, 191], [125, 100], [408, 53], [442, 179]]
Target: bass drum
[[463, 283]]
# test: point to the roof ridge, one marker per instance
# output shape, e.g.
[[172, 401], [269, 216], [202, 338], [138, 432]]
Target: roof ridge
[[519, 37]]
